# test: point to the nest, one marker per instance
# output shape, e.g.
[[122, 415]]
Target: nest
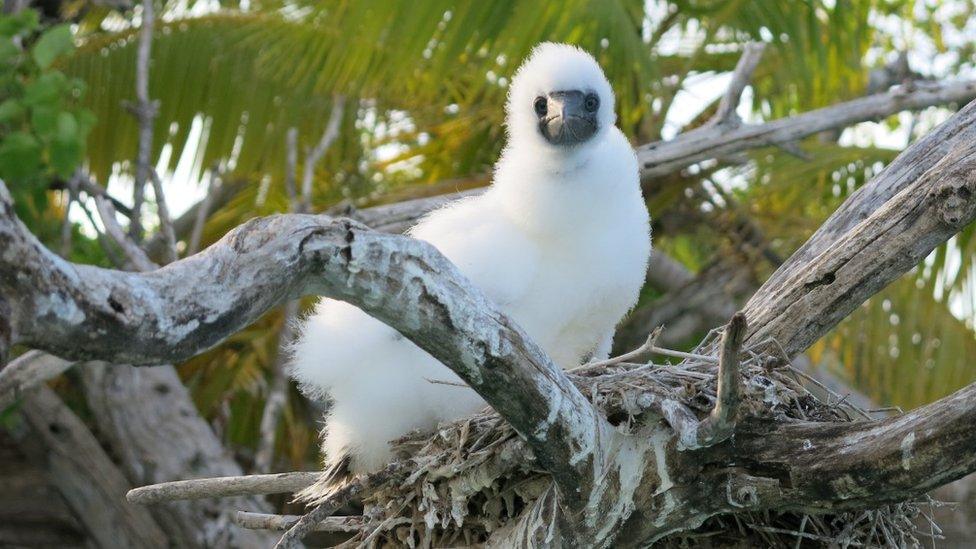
[[474, 477]]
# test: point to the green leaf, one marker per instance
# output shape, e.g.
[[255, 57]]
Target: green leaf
[[52, 44], [8, 50], [11, 110], [44, 121], [65, 156], [47, 89], [12, 25], [20, 156], [67, 127]]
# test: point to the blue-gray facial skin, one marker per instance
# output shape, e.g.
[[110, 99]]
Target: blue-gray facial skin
[[567, 117]]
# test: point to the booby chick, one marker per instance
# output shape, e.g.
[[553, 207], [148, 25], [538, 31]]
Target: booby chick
[[560, 242]]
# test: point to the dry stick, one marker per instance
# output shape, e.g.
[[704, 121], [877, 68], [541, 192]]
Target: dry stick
[[165, 221], [740, 79], [353, 489], [708, 142], [276, 394], [145, 112], [719, 425], [249, 485], [68, 197], [27, 371], [600, 364], [213, 186], [315, 155], [279, 381], [266, 521], [132, 251]]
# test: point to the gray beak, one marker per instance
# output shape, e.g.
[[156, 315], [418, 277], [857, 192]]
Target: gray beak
[[567, 121]]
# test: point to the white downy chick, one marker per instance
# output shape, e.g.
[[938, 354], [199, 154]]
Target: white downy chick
[[560, 242]]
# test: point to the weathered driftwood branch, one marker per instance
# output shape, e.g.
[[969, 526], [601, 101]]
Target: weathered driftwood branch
[[902, 172], [85, 312], [314, 155], [144, 110], [84, 475], [265, 521], [26, 372], [165, 221], [339, 497], [719, 425], [250, 485], [725, 114], [854, 266], [711, 141], [133, 253]]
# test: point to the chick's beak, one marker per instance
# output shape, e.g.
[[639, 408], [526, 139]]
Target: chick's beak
[[567, 121]]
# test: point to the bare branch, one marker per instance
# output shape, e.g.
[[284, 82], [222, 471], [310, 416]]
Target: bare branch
[[67, 197], [833, 468], [250, 485], [165, 221], [893, 239], [665, 157], [719, 425], [291, 165], [26, 372], [214, 187], [902, 172], [145, 112], [85, 476], [339, 497], [193, 304], [741, 76], [315, 155], [132, 251], [647, 347], [277, 391], [264, 521]]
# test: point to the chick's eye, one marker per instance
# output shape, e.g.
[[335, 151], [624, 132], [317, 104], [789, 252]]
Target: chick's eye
[[591, 103], [541, 105]]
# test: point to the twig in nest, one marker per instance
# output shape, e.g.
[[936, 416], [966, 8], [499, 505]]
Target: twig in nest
[[645, 348], [264, 521], [356, 487]]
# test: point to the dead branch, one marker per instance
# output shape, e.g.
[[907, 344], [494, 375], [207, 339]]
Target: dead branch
[[165, 221], [185, 307], [339, 497], [857, 264], [132, 251], [708, 142], [29, 370], [145, 112], [265, 521], [214, 188], [251, 485], [85, 476], [315, 155], [719, 425], [751, 55]]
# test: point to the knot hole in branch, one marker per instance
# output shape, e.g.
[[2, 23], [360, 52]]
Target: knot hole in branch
[[955, 198]]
